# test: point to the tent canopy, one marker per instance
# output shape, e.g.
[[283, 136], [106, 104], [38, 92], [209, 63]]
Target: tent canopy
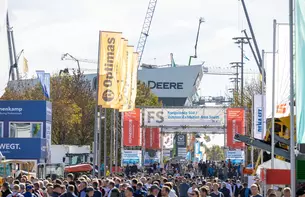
[[278, 164]]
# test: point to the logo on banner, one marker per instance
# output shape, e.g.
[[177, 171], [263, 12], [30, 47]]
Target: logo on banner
[[9, 146], [259, 122], [11, 111]]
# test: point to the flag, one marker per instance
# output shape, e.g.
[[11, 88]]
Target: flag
[[47, 80], [123, 72], [41, 77], [108, 90], [25, 65], [245, 57], [173, 64], [134, 81], [300, 70], [127, 85]]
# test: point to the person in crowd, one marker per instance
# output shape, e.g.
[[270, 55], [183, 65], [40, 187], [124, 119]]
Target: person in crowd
[[255, 191], [225, 190], [154, 191], [286, 192], [129, 192], [70, 192], [82, 189], [97, 192], [29, 191], [89, 191], [57, 191], [245, 191], [216, 192], [190, 190], [5, 190], [110, 186], [183, 188], [15, 191], [204, 191], [165, 191]]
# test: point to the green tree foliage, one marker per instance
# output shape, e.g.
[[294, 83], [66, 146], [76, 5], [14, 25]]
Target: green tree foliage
[[73, 104], [215, 153]]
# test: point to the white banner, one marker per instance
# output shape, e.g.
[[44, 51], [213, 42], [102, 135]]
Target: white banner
[[259, 116], [207, 116], [131, 157], [235, 154]]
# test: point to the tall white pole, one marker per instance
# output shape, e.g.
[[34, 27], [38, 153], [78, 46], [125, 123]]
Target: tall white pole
[[263, 101], [252, 133], [273, 93], [292, 136]]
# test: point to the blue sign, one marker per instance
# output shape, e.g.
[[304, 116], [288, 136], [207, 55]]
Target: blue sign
[[23, 148], [25, 110]]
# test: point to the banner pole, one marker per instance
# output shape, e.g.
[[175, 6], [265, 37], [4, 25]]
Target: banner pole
[[98, 146], [111, 140], [292, 135], [263, 103], [105, 142], [273, 94], [95, 153], [116, 140]]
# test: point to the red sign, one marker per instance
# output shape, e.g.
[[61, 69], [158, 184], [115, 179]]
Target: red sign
[[131, 126], [152, 138], [235, 125]]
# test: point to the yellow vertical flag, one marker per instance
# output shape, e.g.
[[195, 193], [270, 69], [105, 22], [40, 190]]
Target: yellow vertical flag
[[25, 65], [109, 57], [134, 81], [123, 71], [127, 84]]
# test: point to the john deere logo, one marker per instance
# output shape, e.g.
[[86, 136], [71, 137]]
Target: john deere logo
[[108, 95]]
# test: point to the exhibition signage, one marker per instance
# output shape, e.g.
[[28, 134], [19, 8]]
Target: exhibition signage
[[131, 126], [235, 125], [130, 157], [259, 116], [207, 116]]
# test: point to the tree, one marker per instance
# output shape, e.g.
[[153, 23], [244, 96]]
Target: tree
[[73, 104], [215, 153]]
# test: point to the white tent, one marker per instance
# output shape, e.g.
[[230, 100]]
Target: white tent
[[278, 164]]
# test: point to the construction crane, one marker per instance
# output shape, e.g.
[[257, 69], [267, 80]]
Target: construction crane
[[201, 20], [145, 29]]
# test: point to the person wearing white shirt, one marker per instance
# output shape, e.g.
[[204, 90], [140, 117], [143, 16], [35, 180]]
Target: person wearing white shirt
[[190, 190], [110, 186]]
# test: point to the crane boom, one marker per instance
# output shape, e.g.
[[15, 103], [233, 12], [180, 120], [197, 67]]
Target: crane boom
[[145, 29]]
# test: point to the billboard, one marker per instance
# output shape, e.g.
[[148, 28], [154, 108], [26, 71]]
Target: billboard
[[151, 138], [171, 82], [130, 157], [152, 157], [207, 116], [11, 110], [259, 116], [23, 148], [235, 125], [131, 128]]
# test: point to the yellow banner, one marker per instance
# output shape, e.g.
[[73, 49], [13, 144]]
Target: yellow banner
[[123, 71], [109, 57], [134, 81], [127, 85]]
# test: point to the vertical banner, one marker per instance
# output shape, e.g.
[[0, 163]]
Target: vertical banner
[[109, 60], [124, 65], [259, 116], [152, 138], [131, 126], [127, 85], [47, 79], [134, 81], [41, 76], [235, 125], [181, 143], [300, 70]]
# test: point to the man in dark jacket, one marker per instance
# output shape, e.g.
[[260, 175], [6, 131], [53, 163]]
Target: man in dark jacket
[[97, 193], [6, 189], [70, 192], [225, 190]]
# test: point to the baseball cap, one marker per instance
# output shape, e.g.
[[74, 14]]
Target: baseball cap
[[28, 187]]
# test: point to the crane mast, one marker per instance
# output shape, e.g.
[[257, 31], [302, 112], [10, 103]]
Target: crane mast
[[145, 29]]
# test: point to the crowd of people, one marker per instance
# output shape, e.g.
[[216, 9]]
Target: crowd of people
[[136, 185]]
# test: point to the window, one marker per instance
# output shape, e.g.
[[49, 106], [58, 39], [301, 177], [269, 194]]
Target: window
[[1, 129], [25, 130]]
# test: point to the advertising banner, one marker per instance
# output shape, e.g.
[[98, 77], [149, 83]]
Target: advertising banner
[[300, 70], [134, 81], [109, 57], [130, 157], [168, 141], [23, 148], [131, 126], [207, 116], [152, 157], [151, 138], [123, 70], [235, 154], [25, 110], [127, 84], [235, 125], [259, 116]]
